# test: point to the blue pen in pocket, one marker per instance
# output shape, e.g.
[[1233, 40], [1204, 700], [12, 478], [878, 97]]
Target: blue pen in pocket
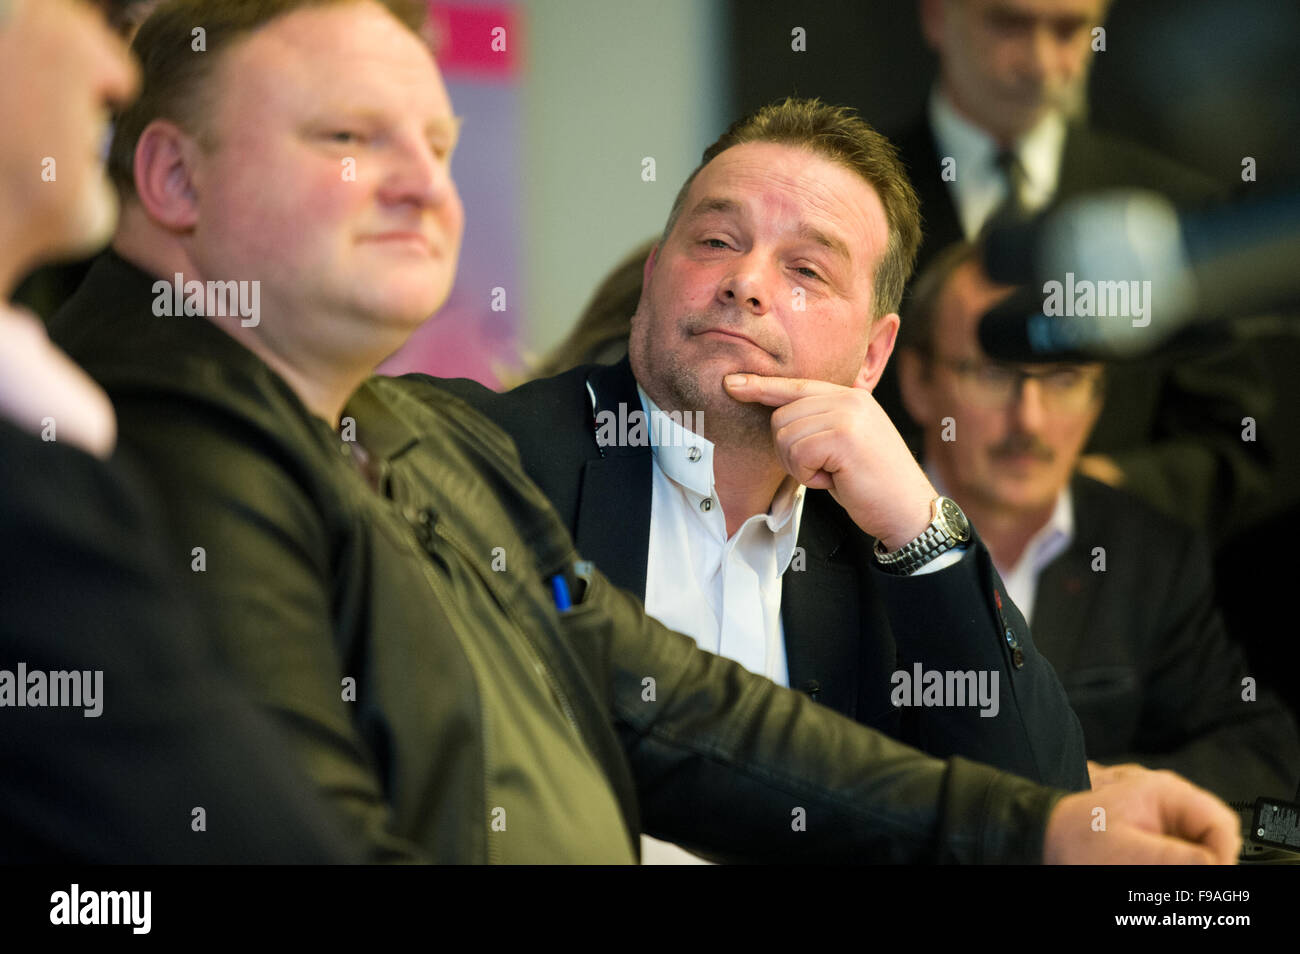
[[560, 590]]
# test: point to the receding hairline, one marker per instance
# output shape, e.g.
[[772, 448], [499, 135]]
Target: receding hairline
[[292, 42], [192, 107]]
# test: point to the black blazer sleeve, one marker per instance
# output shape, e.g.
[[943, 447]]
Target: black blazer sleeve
[[960, 619]]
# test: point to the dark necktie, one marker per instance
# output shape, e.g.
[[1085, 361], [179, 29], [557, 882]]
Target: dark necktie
[[1013, 208]]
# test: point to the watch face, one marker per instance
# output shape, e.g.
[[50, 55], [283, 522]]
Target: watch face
[[958, 525]]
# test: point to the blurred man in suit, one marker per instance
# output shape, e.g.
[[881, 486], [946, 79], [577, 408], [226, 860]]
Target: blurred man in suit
[[1004, 134], [1003, 138], [1119, 597], [120, 739]]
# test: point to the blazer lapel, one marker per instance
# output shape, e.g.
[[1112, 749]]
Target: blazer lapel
[[614, 519], [1082, 168], [820, 611], [614, 499], [1067, 587]]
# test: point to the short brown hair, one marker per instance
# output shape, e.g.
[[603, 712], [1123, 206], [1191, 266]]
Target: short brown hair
[[176, 78], [916, 331], [838, 133]]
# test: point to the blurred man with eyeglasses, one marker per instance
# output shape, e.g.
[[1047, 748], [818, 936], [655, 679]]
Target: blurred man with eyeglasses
[[1118, 596]]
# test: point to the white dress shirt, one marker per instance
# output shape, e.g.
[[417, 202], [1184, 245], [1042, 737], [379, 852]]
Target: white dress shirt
[[44, 392], [1043, 547], [980, 187], [725, 593]]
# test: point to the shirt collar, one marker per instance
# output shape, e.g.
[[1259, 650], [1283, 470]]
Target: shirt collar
[[1039, 150], [686, 458], [37, 379], [787, 505], [784, 518], [1055, 535], [382, 429], [957, 136]]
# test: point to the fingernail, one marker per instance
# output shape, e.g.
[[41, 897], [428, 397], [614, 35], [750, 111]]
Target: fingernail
[[736, 380]]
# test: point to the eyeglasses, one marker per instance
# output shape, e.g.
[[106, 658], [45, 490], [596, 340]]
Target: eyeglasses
[[1064, 388]]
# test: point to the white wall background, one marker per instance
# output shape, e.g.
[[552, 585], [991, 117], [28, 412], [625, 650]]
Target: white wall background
[[607, 83]]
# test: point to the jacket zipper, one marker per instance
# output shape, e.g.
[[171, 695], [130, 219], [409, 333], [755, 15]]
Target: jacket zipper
[[539, 664]]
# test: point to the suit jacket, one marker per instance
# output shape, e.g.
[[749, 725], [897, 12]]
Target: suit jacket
[[1172, 421], [1145, 659], [848, 625], [83, 588], [1090, 160]]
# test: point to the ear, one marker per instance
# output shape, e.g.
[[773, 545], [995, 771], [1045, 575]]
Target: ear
[[932, 16], [914, 385], [646, 272], [164, 175], [880, 345], [649, 266]]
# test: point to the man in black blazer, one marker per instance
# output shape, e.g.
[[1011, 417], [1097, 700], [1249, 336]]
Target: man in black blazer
[[722, 294], [1119, 596], [1001, 139]]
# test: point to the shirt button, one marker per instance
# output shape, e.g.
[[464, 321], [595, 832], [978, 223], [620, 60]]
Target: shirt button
[[693, 454], [706, 504]]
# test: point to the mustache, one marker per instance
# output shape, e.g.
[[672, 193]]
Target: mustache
[[1020, 444]]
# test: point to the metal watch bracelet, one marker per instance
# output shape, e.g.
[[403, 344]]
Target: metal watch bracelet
[[948, 528]]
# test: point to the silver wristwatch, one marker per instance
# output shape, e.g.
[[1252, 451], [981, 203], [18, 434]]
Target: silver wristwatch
[[948, 528]]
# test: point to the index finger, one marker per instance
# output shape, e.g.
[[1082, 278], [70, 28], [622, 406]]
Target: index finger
[[773, 391]]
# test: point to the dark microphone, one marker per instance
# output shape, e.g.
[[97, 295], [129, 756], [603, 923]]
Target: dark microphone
[[1114, 275], [1016, 330]]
